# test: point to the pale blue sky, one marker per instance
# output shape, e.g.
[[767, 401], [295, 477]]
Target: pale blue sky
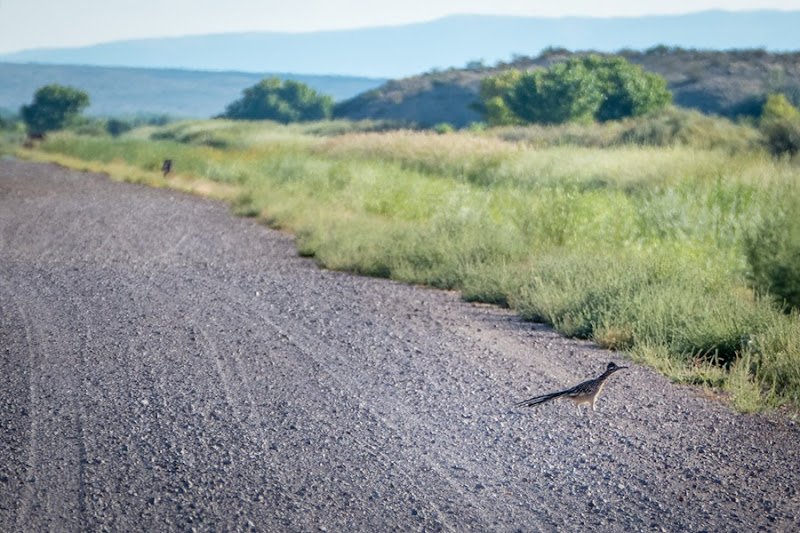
[[26, 24]]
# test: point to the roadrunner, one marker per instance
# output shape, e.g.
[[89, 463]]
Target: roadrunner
[[585, 392]]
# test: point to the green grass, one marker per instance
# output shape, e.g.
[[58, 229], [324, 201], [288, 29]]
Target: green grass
[[639, 248]]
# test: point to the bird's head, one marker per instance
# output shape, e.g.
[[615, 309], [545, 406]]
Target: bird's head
[[612, 367]]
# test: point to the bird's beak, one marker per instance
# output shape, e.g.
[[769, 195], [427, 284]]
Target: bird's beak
[[621, 367]]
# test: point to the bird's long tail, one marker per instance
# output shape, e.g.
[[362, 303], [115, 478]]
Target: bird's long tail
[[536, 400]]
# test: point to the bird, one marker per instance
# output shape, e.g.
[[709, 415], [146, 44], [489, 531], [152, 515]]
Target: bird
[[585, 392]]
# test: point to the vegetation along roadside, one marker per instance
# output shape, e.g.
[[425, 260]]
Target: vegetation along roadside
[[647, 249], [669, 234]]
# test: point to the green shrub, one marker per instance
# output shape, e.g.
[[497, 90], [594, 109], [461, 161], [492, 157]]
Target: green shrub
[[11, 133], [578, 90], [494, 93], [566, 92], [782, 136], [245, 205], [628, 91], [443, 128], [774, 357], [89, 126], [116, 127], [53, 108], [777, 106], [773, 251], [287, 101], [780, 125], [674, 126]]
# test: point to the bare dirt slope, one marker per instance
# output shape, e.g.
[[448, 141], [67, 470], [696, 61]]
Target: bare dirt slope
[[165, 366]]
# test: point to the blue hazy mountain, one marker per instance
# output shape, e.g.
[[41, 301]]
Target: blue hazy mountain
[[398, 51]]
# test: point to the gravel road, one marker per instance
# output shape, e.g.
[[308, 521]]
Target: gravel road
[[165, 366]]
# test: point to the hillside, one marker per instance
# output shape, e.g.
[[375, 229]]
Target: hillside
[[179, 93], [728, 83], [406, 50]]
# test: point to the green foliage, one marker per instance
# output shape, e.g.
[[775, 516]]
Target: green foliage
[[116, 127], [628, 91], [443, 128], [11, 134], [495, 91], [83, 125], [773, 250], [244, 205], [578, 90], [566, 92], [287, 101], [652, 297], [780, 125], [674, 126], [782, 136], [778, 106], [53, 107]]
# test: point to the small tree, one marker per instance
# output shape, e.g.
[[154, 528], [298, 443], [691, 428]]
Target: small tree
[[778, 106], [578, 90], [495, 92], [628, 91], [289, 101], [53, 108], [117, 127], [566, 92]]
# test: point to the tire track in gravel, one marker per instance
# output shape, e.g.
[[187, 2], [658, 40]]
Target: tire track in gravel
[[311, 352], [14, 404], [150, 441], [55, 418], [18, 425], [239, 390]]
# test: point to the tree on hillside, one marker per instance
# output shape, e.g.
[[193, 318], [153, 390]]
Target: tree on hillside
[[780, 125], [495, 93], [53, 108], [566, 92], [777, 106], [628, 90], [288, 101], [578, 90]]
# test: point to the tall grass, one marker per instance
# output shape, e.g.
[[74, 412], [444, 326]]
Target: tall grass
[[640, 248]]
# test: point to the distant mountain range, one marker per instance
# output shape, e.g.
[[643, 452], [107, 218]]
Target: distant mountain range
[[400, 51], [115, 91]]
